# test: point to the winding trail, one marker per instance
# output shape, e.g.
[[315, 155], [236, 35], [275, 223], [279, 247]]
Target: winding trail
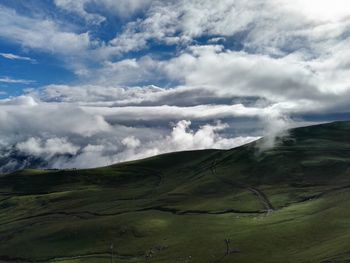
[[264, 201]]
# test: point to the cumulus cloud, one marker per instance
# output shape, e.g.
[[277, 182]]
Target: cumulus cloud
[[46, 35], [274, 27], [122, 8], [176, 75], [129, 72], [210, 73], [78, 7], [182, 137], [49, 148], [65, 135], [42, 34], [242, 74], [174, 22]]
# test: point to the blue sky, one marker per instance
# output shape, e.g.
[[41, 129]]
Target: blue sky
[[46, 66], [106, 81]]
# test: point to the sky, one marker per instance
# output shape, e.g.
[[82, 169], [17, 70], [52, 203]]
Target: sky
[[87, 83]]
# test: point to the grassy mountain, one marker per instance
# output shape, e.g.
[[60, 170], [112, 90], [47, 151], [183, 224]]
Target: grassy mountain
[[288, 203]]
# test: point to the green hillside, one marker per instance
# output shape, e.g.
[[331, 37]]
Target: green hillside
[[288, 203]]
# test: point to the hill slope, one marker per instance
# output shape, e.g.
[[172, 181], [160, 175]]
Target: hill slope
[[289, 203]]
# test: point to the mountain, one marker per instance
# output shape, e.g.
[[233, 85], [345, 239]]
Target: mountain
[[286, 203]]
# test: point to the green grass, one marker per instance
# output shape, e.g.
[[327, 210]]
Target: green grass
[[180, 207]]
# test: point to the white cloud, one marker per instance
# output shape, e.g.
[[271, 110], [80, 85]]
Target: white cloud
[[183, 138], [180, 138], [15, 81], [49, 148], [121, 8], [277, 59], [96, 95], [243, 74], [46, 35], [16, 57], [124, 8], [37, 118], [205, 137], [291, 82], [128, 72], [66, 135], [41, 34], [22, 101], [273, 27], [158, 113], [78, 7], [131, 142], [176, 22], [323, 10]]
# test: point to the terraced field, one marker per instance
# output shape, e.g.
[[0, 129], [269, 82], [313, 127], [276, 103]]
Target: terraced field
[[288, 203]]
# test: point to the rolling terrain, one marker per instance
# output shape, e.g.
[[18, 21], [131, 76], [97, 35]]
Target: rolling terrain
[[287, 203]]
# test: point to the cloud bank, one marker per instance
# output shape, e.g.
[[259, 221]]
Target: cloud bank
[[64, 135], [160, 76]]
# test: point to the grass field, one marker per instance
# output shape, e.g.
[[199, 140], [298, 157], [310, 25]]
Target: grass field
[[288, 203]]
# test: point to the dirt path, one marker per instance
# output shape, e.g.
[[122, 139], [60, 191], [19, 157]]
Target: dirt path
[[265, 202], [263, 199]]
